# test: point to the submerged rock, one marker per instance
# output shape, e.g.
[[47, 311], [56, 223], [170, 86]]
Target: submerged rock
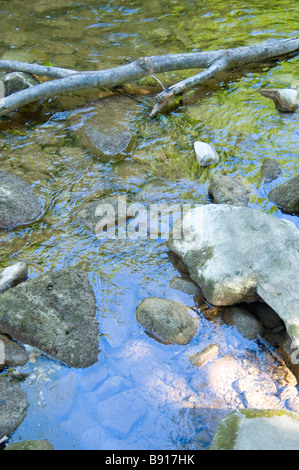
[[205, 153], [168, 320], [286, 196], [13, 406], [18, 205], [238, 254], [253, 429], [13, 275], [209, 353], [101, 215], [228, 190], [224, 383], [106, 129], [17, 81], [186, 286], [245, 323], [270, 170], [30, 445], [56, 314], [13, 353]]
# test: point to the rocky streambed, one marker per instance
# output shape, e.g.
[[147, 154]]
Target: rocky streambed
[[223, 315]]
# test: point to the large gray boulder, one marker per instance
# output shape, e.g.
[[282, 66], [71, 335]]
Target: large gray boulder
[[106, 129], [56, 314], [102, 215], [18, 205], [238, 254], [13, 406]]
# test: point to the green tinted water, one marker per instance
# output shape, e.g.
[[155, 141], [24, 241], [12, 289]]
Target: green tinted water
[[228, 112]]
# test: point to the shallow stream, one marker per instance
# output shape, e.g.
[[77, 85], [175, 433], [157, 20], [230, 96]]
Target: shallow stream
[[141, 394]]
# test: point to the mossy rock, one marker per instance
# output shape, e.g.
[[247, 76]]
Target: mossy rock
[[253, 429], [30, 445]]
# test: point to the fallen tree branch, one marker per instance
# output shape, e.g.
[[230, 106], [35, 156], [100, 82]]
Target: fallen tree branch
[[66, 80], [230, 58], [163, 97], [35, 69]]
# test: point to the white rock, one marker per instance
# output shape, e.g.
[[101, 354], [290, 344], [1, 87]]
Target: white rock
[[285, 100], [205, 154], [13, 275]]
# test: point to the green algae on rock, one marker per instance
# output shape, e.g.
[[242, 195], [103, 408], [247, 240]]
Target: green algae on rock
[[30, 445], [253, 429]]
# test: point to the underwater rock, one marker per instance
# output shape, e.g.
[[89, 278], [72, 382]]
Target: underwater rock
[[13, 406], [104, 213], [106, 129], [224, 383], [186, 286], [209, 353], [55, 313], [270, 170], [286, 196], [168, 320], [13, 275], [30, 445], [110, 411], [239, 254], [228, 190], [18, 205], [285, 100], [205, 153], [17, 81], [253, 429], [245, 323], [13, 353]]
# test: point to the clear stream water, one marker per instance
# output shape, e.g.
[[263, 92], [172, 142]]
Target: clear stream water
[[141, 393]]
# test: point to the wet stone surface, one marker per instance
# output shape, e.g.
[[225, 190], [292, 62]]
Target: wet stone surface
[[18, 204]]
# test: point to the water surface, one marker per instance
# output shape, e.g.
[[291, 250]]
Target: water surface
[[141, 394]]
